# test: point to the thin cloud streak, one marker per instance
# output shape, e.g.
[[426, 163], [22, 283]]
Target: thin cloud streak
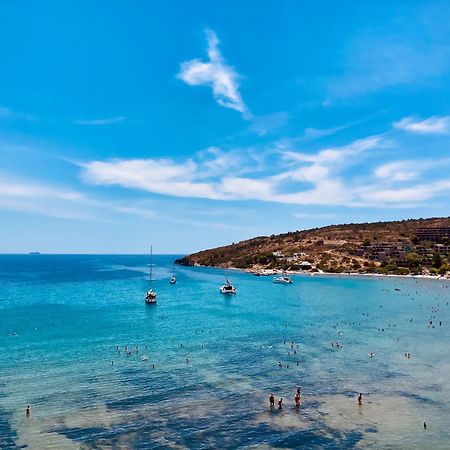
[[100, 122], [10, 114]]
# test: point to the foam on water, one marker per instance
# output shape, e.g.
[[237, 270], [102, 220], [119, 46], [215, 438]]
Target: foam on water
[[217, 358]]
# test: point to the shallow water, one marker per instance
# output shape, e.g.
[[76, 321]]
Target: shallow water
[[216, 358]]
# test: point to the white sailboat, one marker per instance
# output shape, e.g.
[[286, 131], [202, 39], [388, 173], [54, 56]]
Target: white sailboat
[[228, 288], [173, 279], [150, 296]]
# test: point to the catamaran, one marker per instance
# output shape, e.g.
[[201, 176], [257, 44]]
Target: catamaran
[[150, 296], [227, 288]]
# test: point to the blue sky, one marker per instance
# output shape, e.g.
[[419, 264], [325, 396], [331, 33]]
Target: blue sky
[[188, 125]]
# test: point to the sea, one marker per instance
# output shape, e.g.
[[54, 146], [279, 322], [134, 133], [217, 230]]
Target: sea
[[100, 369]]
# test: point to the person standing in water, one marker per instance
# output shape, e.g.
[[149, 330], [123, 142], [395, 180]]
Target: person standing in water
[[280, 404], [272, 401], [28, 411], [297, 400], [360, 399]]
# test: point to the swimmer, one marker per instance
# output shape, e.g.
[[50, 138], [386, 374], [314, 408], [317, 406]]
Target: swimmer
[[360, 399], [28, 411], [272, 401]]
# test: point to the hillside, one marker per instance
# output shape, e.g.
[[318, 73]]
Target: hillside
[[399, 247]]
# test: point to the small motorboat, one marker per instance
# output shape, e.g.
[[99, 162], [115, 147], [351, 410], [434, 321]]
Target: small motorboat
[[283, 279]]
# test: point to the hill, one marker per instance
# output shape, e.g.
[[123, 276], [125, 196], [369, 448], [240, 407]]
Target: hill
[[398, 247]]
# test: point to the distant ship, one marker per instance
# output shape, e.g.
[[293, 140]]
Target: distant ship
[[34, 253]]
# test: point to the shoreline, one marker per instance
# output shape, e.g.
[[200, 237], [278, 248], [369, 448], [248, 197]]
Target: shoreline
[[271, 272]]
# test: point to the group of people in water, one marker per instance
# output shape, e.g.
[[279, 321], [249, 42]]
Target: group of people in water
[[297, 400]]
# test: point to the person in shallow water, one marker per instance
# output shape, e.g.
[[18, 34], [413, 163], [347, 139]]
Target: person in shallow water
[[272, 401], [360, 399], [297, 400], [28, 411], [280, 403]]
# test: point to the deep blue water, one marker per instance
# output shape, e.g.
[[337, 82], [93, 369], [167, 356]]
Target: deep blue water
[[202, 364]]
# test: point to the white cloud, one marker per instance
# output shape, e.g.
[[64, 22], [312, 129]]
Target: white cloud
[[222, 78], [161, 176], [100, 122], [219, 175], [320, 178], [432, 125], [398, 170], [408, 170]]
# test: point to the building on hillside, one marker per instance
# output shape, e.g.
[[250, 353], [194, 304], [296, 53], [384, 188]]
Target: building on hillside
[[434, 234]]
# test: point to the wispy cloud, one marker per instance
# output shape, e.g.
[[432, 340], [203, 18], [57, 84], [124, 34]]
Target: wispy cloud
[[222, 78], [298, 178], [108, 121], [312, 216], [263, 125], [61, 202], [406, 196], [415, 48], [41, 199], [432, 125], [407, 170], [281, 176], [10, 114]]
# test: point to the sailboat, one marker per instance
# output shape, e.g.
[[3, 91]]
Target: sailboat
[[150, 296], [227, 288], [173, 279]]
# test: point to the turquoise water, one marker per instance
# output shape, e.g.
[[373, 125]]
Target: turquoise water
[[206, 363]]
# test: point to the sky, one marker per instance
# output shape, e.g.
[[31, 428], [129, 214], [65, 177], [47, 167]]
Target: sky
[[189, 125]]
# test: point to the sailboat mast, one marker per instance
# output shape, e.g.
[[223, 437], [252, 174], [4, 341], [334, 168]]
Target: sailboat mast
[[151, 263]]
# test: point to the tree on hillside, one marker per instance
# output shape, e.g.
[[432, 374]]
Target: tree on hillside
[[437, 261]]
